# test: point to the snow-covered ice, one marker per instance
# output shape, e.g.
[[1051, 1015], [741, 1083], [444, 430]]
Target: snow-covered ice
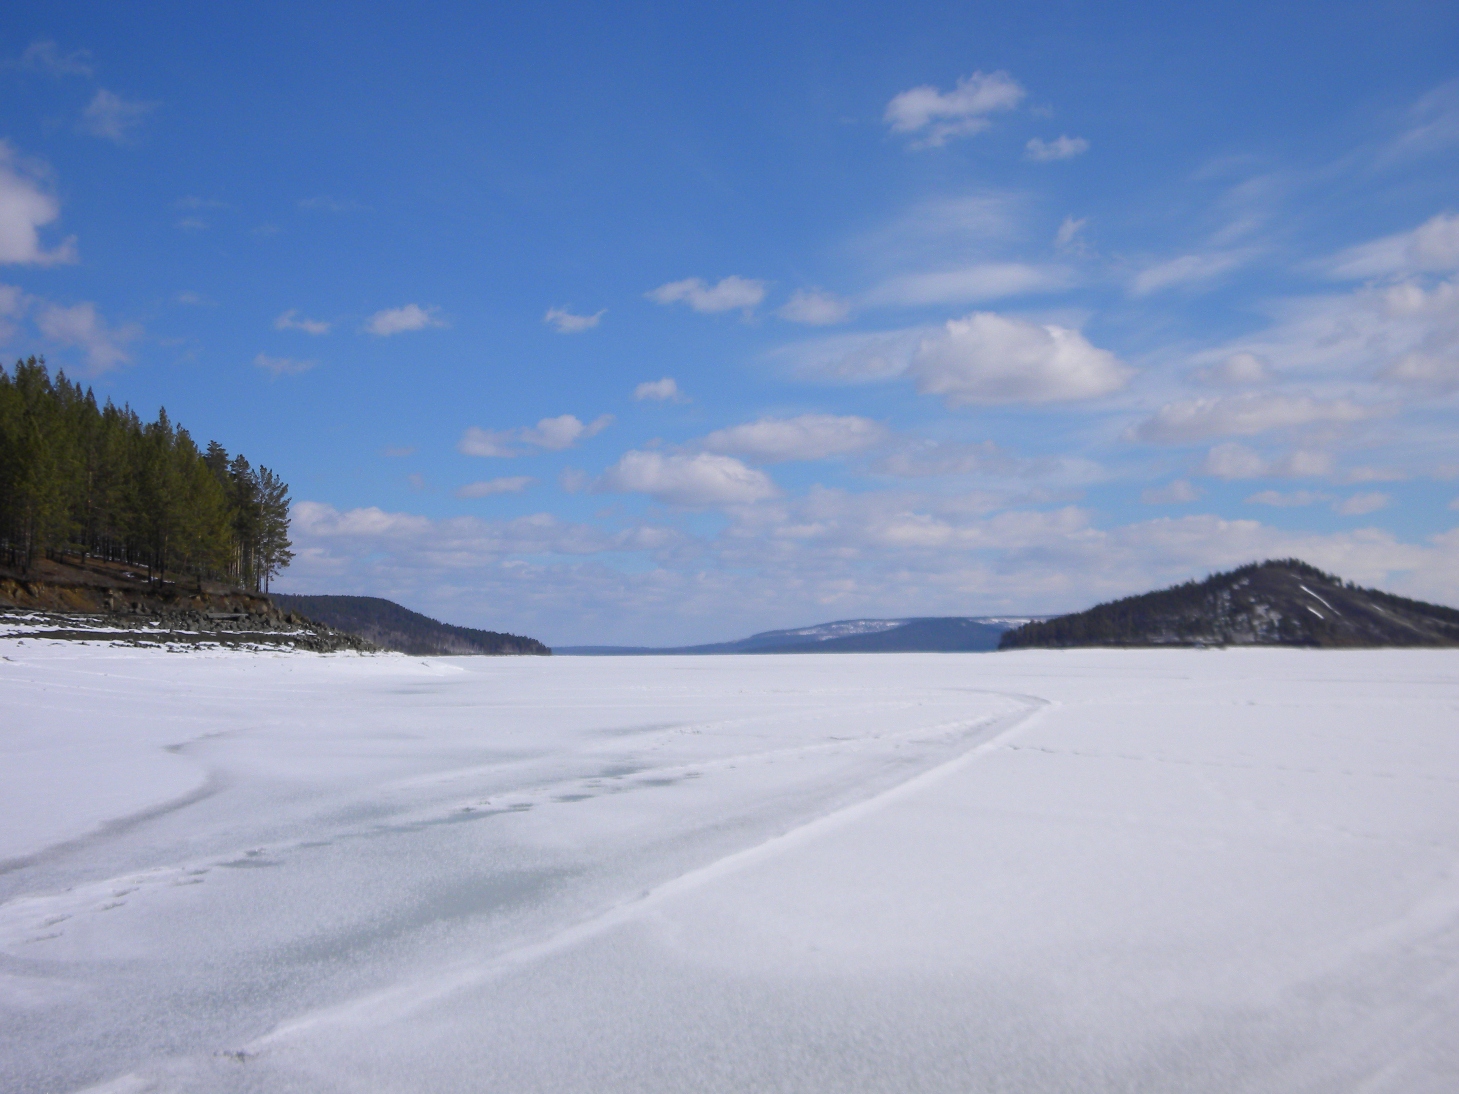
[[1194, 870]]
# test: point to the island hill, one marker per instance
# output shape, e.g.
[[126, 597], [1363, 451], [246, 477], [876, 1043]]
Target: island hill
[[1274, 603], [388, 625]]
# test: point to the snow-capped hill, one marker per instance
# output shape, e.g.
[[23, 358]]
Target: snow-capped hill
[[1277, 603]]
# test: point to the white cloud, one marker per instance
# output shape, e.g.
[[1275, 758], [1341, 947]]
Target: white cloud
[[1360, 505], [1238, 369], [815, 307], [192, 224], [396, 320], [941, 116], [1289, 500], [1236, 461], [1179, 492], [290, 320], [987, 359], [699, 481], [807, 437], [552, 434], [730, 293], [80, 326], [568, 323], [24, 209], [512, 484], [1243, 416], [1060, 148], [663, 391], [333, 205], [1067, 237], [47, 57], [282, 366], [968, 285], [1435, 365], [852, 358], [1188, 270], [1431, 247], [13, 305], [110, 116]]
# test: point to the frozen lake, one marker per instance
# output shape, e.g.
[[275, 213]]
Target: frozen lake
[[1193, 870]]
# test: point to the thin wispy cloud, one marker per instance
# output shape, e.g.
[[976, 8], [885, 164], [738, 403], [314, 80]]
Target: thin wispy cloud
[[1060, 148], [567, 323], [661, 391], [815, 308], [48, 58], [805, 437], [728, 294], [549, 434], [411, 317], [81, 326], [935, 117], [292, 320], [327, 204], [283, 366], [112, 117], [511, 484]]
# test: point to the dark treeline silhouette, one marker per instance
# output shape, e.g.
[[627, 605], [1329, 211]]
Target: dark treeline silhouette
[[78, 479]]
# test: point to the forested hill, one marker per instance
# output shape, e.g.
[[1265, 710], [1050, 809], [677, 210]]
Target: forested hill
[[387, 624], [83, 481], [1275, 603]]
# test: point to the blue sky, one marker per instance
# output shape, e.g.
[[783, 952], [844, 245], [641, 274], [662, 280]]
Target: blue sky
[[670, 323]]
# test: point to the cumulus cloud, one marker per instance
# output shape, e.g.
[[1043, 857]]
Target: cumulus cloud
[[969, 284], [1431, 247], [398, 320], [282, 366], [1236, 461], [939, 116], [694, 481], [1360, 505], [988, 359], [1243, 416], [1060, 148], [806, 437], [25, 208], [1238, 369], [1189, 269], [80, 326], [110, 116], [511, 484], [815, 307], [46, 57], [568, 323], [552, 434], [730, 293], [663, 391], [291, 320], [1179, 492]]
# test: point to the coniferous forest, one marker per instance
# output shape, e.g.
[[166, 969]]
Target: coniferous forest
[[80, 481]]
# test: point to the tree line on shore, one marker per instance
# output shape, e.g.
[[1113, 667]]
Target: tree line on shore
[[78, 479]]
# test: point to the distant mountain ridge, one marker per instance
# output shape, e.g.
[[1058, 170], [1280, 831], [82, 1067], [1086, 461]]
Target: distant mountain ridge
[[1275, 603], [937, 634], [387, 624]]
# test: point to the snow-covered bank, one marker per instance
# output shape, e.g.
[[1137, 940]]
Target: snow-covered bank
[[1094, 870]]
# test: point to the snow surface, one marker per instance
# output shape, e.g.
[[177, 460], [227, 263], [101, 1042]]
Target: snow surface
[[1194, 870]]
